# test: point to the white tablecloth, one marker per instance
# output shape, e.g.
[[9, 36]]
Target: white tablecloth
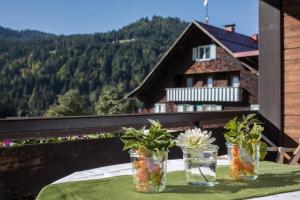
[[173, 165]]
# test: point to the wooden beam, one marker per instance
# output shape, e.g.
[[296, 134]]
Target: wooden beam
[[246, 54], [270, 62], [296, 155], [252, 69], [57, 127], [274, 147]]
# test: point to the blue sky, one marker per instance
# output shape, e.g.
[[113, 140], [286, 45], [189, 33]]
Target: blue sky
[[89, 16]]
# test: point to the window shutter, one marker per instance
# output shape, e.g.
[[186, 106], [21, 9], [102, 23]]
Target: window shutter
[[213, 51], [194, 53]]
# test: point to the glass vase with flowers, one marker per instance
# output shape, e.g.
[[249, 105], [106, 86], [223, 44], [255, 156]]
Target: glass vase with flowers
[[148, 151], [244, 146], [199, 156]]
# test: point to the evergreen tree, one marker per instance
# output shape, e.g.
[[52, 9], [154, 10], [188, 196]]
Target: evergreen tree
[[69, 104], [111, 101]]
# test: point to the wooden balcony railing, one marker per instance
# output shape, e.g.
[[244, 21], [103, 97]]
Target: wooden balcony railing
[[25, 170], [209, 94]]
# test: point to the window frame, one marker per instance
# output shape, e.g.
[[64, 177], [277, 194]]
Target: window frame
[[212, 107], [232, 77], [187, 82], [213, 81], [206, 50], [159, 106], [185, 107]]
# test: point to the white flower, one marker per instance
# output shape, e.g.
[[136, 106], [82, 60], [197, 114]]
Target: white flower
[[195, 139], [146, 131]]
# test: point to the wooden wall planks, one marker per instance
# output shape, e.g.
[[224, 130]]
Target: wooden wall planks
[[291, 59], [292, 42], [292, 87], [292, 65]]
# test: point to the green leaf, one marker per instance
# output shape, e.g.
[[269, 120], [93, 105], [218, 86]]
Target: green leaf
[[246, 131], [157, 138], [263, 150]]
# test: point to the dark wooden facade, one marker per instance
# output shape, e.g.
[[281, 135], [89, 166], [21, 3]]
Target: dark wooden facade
[[179, 65]]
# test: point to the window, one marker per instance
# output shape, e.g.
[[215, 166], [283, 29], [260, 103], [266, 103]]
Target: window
[[160, 108], [235, 81], [254, 107], [210, 81], [185, 108], [208, 107], [199, 108], [189, 82], [207, 52]]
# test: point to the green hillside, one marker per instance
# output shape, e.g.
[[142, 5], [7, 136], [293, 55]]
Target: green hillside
[[35, 67]]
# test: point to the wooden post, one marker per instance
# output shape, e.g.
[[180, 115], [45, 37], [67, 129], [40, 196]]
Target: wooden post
[[296, 155], [280, 155]]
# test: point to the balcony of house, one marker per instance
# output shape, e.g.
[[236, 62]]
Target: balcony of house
[[206, 94]]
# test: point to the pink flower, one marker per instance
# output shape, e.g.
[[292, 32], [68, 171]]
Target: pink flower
[[7, 143]]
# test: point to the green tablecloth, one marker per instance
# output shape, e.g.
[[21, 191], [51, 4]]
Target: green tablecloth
[[273, 179]]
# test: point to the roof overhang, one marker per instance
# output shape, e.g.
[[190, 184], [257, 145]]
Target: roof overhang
[[246, 54]]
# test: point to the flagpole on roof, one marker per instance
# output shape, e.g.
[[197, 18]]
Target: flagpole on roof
[[206, 8]]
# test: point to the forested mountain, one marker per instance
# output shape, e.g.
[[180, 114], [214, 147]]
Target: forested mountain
[[7, 33], [35, 67]]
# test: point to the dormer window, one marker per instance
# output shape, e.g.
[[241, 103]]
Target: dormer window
[[202, 53]]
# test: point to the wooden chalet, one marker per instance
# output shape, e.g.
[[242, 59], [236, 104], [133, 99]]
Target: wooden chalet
[[207, 68]]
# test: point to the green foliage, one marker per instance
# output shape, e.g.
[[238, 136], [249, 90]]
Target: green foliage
[[246, 132], [36, 67], [22, 142], [111, 101], [69, 104], [157, 139]]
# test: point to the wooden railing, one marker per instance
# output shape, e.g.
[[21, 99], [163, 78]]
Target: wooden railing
[[25, 170], [210, 94], [54, 127]]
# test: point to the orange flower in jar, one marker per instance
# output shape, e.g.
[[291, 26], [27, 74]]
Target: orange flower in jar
[[143, 163], [135, 164], [248, 167], [235, 151], [236, 167], [142, 175]]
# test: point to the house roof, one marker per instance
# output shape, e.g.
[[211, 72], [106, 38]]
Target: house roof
[[236, 44]]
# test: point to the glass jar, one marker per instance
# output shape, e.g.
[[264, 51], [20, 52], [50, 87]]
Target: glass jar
[[242, 165], [149, 171], [200, 165]]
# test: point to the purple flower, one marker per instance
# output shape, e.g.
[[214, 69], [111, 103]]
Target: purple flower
[[7, 143]]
